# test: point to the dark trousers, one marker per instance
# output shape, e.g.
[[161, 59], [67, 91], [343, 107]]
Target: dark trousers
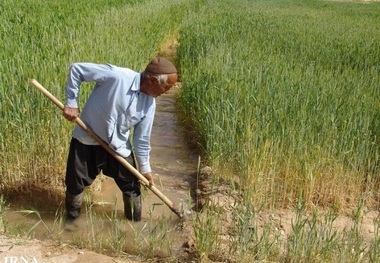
[[85, 162]]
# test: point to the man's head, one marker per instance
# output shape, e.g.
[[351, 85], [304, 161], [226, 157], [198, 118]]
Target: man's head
[[158, 77]]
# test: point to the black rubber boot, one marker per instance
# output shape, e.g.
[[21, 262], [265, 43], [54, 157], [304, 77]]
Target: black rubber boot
[[132, 207], [73, 206]]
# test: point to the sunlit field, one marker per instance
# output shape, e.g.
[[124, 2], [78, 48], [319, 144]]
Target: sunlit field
[[283, 97], [40, 40]]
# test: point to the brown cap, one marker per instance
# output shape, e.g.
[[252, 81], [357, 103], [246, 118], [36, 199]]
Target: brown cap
[[160, 65]]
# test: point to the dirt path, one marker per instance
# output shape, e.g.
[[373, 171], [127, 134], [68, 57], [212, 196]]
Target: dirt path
[[14, 250]]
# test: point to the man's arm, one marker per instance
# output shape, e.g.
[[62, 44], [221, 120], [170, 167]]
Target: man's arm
[[141, 143], [79, 72]]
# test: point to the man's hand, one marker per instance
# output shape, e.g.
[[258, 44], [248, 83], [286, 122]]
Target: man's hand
[[149, 177], [70, 114]]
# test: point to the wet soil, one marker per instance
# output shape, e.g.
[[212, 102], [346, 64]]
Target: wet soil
[[173, 165]]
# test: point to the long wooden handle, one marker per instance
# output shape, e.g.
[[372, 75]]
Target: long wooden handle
[[112, 152]]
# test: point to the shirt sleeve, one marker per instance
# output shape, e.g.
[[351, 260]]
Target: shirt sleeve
[[141, 141], [79, 72]]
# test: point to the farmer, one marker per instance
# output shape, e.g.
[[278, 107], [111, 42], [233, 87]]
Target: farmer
[[122, 99]]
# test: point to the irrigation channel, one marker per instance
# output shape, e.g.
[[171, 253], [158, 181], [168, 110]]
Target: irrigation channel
[[102, 214]]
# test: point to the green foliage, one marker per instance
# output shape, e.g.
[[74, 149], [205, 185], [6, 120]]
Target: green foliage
[[40, 39], [207, 228], [3, 209], [284, 94], [284, 91]]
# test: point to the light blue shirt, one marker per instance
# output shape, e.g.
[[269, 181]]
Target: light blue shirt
[[113, 108]]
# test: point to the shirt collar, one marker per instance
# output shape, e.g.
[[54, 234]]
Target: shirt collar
[[136, 82]]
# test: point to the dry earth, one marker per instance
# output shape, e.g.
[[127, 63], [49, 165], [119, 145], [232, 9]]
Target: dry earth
[[14, 250], [47, 251]]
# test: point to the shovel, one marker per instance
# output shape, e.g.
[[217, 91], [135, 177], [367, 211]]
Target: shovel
[[136, 173]]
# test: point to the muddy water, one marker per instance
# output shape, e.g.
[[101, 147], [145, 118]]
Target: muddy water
[[171, 161], [102, 215]]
